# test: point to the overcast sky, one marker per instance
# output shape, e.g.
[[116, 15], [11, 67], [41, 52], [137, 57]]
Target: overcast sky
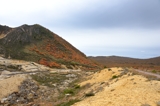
[[128, 28]]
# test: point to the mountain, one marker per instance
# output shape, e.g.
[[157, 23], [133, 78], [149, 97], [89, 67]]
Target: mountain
[[38, 44], [112, 61]]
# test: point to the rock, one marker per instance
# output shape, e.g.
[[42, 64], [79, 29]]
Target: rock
[[3, 100], [71, 75], [145, 105], [28, 91], [52, 72], [5, 72], [158, 103], [67, 95], [64, 67]]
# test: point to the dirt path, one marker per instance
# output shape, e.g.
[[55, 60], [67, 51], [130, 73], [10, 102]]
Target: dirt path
[[147, 73]]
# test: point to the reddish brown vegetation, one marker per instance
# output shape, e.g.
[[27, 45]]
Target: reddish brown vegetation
[[60, 49], [38, 44], [115, 61], [44, 61]]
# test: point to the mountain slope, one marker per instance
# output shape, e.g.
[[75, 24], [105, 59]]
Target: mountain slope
[[38, 44], [112, 61]]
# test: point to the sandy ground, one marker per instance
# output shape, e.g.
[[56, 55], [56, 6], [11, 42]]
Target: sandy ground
[[9, 85], [102, 76], [128, 90]]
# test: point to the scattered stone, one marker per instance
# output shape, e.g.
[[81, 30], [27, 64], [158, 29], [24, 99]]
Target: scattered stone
[[112, 90], [145, 105], [5, 72], [158, 103], [71, 75], [28, 91], [134, 83]]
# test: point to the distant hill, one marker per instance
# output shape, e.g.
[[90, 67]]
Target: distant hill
[[112, 61], [38, 44]]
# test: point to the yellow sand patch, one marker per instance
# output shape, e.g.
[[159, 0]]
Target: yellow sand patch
[[10, 85], [126, 91], [102, 76]]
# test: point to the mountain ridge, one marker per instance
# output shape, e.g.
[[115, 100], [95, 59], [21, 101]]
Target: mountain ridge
[[113, 61], [37, 43]]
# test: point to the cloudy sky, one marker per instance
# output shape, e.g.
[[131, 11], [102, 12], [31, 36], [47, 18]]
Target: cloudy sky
[[128, 28]]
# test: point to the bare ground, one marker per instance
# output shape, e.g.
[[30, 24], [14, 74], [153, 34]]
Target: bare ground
[[126, 90]]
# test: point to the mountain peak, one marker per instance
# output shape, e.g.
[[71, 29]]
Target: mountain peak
[[37, 43]]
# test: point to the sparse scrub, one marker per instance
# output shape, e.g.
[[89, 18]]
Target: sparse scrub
[[89, 94], [109, 69], [68, 91], [71, 102], [48, 79], [105, 66], [115, 76], [76, 86], [154, 71]]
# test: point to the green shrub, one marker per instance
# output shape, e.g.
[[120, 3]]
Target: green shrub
[[71, 102], [109, 69], [105, 66], [89, 94], [113, 77], [76, 86], [154, 71], [68, 91]]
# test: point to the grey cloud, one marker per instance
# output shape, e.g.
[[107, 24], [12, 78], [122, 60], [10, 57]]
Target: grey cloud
[[127, 13]]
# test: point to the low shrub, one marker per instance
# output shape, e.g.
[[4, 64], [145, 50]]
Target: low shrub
[[71, 102], [113, 77], [68, 91], [109, 69], [76, 86], [154, 71], [89, 94]]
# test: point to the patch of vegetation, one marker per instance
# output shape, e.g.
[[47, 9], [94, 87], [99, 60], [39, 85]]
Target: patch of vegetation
[[105, 66], [89, 94], [115, 76], [154, 71], [71, 102], [68, 91], [76, 86], [12, 67], [48, 79], [109, 69]]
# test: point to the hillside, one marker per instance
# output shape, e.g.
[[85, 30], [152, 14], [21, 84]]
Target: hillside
[[119, 87], [26, 83], [38, 44], [145, 64]]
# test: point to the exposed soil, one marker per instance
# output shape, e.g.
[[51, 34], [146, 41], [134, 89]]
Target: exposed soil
[[125, 90], [10, 85]]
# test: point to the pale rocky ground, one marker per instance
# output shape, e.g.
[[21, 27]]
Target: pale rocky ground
[[18, 87], [126, 90], [10, 85]]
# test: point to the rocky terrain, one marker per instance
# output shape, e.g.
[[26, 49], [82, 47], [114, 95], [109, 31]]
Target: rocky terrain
[[25, 83], [28, 83]]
